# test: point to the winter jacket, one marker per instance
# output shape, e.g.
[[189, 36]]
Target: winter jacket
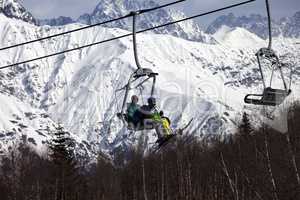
[[132, 110]]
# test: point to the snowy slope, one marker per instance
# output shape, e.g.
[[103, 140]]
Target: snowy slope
[[59, 21], [111, 9], [206, 82], [238, 38], [78, 89], [20, 122], [291, 25], [254, 23]]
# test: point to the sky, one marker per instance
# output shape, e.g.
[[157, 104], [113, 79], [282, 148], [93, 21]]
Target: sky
[[74, 8]]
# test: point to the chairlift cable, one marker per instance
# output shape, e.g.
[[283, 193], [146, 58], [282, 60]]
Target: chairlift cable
[[126, 35], [159, 7], [91, 26]]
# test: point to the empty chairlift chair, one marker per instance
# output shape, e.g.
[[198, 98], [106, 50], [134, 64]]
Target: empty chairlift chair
[[270, 96]]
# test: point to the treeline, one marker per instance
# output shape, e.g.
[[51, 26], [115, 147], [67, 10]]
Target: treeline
[[249, 165]]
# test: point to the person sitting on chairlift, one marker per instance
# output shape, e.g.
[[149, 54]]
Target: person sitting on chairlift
[[151, 117], [132, 116]]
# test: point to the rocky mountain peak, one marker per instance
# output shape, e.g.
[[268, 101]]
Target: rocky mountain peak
[[110, 9], [258, 24], [13, 9], [254, 23]]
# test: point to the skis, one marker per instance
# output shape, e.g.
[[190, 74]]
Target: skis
[[181, 130], [162, 142]]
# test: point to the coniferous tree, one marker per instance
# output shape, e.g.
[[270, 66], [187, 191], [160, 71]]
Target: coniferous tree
[[245, 127], [64, 170]]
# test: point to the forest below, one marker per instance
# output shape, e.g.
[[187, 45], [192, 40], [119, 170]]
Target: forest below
[[252, 164]]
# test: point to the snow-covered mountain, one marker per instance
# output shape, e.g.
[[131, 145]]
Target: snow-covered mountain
[[286, 27], [21, 122], [254, 23], [111, 9], [13, 9], [197, 80], [78, 89], [60, 21], [291, 25]]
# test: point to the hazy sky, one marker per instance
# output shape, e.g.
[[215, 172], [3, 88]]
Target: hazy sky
[[74, 8]]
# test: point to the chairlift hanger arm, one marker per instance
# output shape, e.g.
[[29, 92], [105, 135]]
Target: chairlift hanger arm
[[127, 89], [142, 83], [270, 55], [134, 15], [261, 71], [269, 23], [136, 58], [153, 86], [270, 96], [131, 81]]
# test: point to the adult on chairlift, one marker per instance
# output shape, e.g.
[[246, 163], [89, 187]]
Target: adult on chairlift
[[151, 117], [132, 112], [146, 117]]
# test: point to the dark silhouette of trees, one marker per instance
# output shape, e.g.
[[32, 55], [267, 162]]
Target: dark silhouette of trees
[[245, 126], [252, 164], [64, 171]]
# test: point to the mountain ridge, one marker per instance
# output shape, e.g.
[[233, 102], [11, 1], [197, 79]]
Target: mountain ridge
[[13, 9], [258, 24], [59, 21], [110, 9]]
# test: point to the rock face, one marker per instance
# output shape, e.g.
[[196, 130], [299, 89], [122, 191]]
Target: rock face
[[13, 9], [60, 21], [254, 23], [110, 9], [286, 27], [291, 26]]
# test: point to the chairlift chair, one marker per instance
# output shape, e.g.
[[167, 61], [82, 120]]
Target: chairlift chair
[[270, 96], [137, 79]]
